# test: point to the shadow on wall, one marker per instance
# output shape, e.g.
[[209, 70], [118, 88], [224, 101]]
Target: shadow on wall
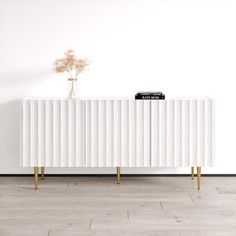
[[21, 78], [10, 133], [14, 86]]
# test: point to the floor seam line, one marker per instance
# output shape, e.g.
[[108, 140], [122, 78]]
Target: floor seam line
[[161, 206], [90, 224], [128, 214]]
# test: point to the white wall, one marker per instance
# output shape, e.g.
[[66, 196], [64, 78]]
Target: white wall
[[181, 47]]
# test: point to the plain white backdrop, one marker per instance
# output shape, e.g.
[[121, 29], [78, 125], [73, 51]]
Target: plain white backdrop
[[181, 47]]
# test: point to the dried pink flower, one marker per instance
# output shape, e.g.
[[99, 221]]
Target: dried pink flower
[[70, 64]]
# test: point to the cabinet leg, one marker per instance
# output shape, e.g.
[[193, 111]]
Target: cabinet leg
[[42, 172], [36, 177], [198, 177], [192, 172], [118, 174]]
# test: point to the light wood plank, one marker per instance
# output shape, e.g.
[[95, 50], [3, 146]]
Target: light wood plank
[[167, 206]]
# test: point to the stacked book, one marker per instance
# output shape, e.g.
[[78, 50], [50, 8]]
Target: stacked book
[[150, 95]]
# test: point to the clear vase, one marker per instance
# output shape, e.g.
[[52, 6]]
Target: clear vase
[[73, 87]]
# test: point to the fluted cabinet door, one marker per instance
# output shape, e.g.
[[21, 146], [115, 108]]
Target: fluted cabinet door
[[117, 132], [52, 133], [182, 133]]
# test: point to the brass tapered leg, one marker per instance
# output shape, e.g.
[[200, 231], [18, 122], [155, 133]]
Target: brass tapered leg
[[36, 177], [118, 174], [192, 171], [42, 172], [198, 177]]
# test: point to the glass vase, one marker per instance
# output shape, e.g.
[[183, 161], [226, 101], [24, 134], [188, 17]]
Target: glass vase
[[73, 87]]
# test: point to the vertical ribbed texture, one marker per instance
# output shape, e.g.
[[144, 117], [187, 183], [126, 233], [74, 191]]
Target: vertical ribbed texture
[[170, 133], [109, 133], [88, 134], [33, 141], [139, 133], [72, 133], [132, 133], [185, 132], [102, 133], [117, 132], [162, 157], [56, 133], [94, 133], [49, 133], [125, 133], [79, 133], [155, 134], [41, 133], [177, 137], [147, 134]]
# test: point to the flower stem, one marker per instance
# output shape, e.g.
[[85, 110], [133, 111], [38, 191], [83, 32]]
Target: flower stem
[[72, 92]]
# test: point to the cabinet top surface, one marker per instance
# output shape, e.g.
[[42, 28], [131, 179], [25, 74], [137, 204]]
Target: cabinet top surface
[[115, 98]]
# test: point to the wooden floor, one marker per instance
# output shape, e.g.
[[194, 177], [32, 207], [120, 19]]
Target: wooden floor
[[154, 206]]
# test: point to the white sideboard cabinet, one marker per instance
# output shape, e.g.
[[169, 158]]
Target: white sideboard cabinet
[[120, 132]]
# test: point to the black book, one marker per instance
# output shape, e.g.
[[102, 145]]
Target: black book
[[150, 95]]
